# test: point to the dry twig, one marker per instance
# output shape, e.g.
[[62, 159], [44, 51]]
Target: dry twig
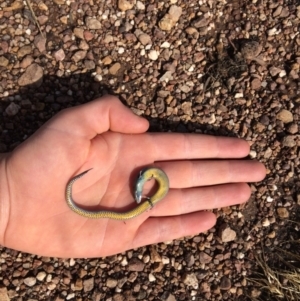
[[34, 17]]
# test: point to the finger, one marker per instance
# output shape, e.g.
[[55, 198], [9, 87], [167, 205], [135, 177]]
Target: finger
[[160, 229], [174, 146], [183, 174], [101, 115], [183, 201]]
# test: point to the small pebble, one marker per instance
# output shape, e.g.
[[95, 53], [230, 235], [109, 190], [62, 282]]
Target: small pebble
[[153, 55], [282, 212], [190, 279], [226, 234], [285, 116], [30, 281], [92, 23], [12, 109], [151, 277]]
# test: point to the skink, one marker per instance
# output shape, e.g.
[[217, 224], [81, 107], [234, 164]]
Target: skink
[[144, 176]]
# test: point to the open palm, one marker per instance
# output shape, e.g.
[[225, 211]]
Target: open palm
[[106, 136]]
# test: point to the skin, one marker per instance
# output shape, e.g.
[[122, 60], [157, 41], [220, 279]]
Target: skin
[[205, 172]]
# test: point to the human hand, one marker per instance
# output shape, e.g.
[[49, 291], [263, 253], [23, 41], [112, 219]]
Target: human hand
[[108, 137]]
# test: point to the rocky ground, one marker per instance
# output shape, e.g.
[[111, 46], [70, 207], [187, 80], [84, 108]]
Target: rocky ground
[[218, 67]]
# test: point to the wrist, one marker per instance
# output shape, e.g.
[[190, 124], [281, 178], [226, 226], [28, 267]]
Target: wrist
[[4, 197]]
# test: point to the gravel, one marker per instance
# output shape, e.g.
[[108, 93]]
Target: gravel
[[214, 67]]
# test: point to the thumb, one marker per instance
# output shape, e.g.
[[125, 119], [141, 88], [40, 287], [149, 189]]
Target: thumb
[[98, 116]]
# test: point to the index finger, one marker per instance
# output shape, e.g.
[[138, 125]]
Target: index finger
[[178, 146]]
